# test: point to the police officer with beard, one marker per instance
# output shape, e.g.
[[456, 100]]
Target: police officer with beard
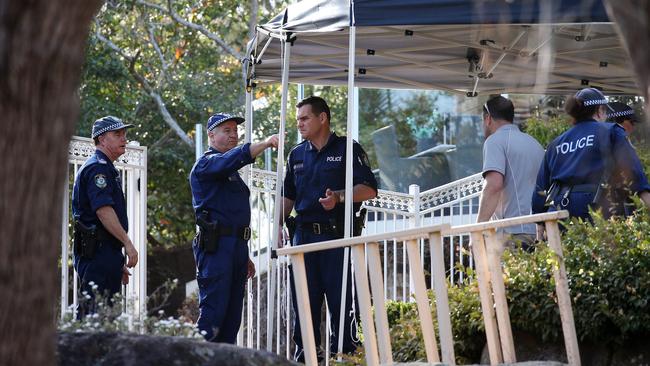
[[99, 212], [586, 165], [223, 213]]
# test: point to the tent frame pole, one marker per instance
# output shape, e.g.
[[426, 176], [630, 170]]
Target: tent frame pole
[[278, 193], [348, 175]]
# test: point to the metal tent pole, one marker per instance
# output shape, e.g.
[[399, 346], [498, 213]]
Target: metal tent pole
[[348, 177], [278, 192]]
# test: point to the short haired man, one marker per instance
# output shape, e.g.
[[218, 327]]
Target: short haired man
[[99, 212], [314, 184], [511, 160], [223, 213]]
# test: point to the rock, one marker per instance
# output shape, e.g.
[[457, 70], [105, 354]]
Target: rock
[[122, 349]]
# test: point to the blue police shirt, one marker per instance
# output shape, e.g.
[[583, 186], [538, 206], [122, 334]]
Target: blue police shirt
[[310, 172], [98, 184], [579, 156], [218, 189]]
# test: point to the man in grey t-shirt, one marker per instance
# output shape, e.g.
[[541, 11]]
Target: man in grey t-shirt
[[511, 160]]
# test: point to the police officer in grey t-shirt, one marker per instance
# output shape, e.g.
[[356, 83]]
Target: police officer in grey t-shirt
[[511, 160]]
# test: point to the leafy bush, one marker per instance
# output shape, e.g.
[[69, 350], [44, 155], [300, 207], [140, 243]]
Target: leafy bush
[[545, 131], [608, 267], [107, 318]]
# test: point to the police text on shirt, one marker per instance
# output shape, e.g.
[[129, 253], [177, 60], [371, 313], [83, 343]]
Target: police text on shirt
[[581, 143]]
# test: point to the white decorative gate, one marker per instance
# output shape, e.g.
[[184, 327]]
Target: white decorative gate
[[267, 317], [133, 170]]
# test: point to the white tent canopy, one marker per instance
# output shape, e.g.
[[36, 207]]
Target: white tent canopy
[[558, 51]]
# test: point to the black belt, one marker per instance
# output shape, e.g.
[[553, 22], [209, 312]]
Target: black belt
[[582, 188], [319, 227], [236, 231]]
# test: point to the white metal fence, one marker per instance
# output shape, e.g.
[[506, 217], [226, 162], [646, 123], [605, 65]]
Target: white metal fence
[[268, 300], [133, 170]]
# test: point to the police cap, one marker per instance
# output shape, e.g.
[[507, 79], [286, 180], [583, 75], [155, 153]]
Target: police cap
[[592, 96], [619, 109], [108, 123], [219, 118]]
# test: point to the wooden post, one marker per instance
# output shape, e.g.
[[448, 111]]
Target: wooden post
[[378, 296], [485, 293], [422, 300], [563, 295], [442, 299], [304, 312], [363, 294], [503, 317]]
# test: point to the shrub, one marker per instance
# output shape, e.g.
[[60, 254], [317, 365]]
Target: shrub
[[107, 318], [545, 131], [608, 268]]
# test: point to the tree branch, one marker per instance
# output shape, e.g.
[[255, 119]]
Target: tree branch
[[162, 108], [214, 37]]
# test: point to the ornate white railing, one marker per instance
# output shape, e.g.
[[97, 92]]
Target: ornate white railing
[[455, 203]]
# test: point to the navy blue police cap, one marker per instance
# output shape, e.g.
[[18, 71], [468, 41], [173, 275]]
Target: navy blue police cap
[[592, 96], [108, 123], [621, 110], [219, 118]]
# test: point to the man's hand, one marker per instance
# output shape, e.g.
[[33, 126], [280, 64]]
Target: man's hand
[[330, 200], [131, 254], [125, 275], [251, 269], [272, 141]]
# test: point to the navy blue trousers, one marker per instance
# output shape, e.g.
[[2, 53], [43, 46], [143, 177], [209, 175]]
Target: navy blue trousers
[[221, 277], [324, 275], [104, 270]]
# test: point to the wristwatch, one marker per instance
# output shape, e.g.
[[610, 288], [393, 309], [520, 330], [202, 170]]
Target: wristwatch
[[341, 195]]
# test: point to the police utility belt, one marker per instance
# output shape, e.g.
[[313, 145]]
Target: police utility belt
[[332, 226], [210, 232], [559, 194], [88, 238]]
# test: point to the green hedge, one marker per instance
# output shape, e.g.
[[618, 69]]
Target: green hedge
[[608, 267]]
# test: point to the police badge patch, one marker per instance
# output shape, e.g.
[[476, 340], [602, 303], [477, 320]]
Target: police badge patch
[[100, 181]]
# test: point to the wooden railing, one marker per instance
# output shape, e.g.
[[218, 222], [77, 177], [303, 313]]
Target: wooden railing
[[487, 251]]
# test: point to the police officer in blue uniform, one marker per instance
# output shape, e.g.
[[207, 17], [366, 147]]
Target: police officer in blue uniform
[[586, 165], [221, 203], [624, 115], [99, 211], [314, 185]]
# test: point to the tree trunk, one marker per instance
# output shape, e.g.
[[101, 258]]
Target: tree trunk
[[41, 54], [632, 19]]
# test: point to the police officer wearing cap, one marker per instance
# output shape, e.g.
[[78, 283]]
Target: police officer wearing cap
[[99, 211], [624, 115], [314, 184], [582, 166], [221, 203]]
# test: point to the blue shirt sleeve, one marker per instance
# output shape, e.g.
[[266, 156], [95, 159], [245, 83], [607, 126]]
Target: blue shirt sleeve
[[627, 162], [289, 187], [361, 167], [543, 184], [221, 165], [99, 185]]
